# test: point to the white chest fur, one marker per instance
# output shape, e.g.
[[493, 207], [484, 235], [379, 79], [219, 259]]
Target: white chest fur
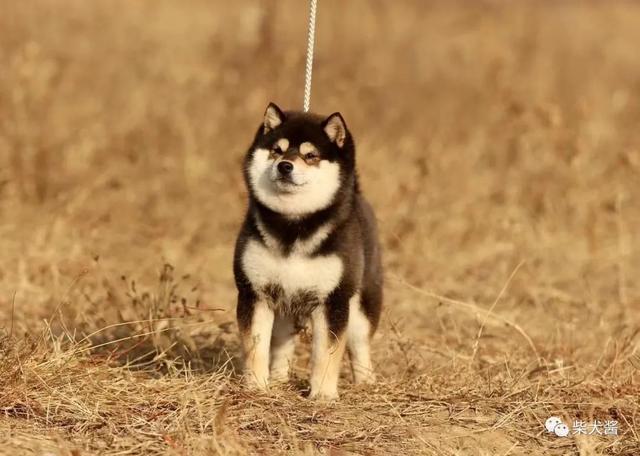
[[293, 273]]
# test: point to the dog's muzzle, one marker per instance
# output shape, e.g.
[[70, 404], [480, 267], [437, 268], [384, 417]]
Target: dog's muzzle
[[285, 168]]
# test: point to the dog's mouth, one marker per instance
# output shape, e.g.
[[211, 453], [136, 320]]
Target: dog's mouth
[[286, 185]]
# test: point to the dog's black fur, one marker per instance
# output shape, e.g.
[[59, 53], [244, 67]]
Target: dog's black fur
[[353, 239]]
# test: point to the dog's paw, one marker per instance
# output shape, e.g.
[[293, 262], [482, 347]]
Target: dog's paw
[[279, 377], [365, 378], [253, 383], [324, 396]]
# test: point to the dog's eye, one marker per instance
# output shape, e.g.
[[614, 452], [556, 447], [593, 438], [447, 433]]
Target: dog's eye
[[311, 156], [276, 150]]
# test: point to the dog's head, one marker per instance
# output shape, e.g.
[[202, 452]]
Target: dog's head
[[298, 162]]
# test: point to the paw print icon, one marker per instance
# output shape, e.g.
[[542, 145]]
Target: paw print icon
[[554, 425]]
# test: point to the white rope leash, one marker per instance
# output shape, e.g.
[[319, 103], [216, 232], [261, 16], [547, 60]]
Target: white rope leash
[[313, 6]]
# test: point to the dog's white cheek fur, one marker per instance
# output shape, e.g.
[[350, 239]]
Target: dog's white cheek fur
[[319, 186]]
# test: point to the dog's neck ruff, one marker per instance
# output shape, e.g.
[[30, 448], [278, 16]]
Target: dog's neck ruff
[[304, 234], [302, 244]]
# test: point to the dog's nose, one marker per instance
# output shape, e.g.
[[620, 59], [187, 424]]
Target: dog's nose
[[285, 167]]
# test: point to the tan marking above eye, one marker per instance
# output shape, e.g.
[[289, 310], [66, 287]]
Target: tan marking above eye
[[279, 148], [309, 153], [283, 144], [307, 147]]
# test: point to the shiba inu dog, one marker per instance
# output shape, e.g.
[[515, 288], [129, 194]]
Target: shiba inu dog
[[308, 248]]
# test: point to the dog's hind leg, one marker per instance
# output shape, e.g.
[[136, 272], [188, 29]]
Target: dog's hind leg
[[283, 344], [358, 341]]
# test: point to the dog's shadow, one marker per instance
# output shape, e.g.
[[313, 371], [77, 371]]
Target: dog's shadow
[[220, 354], [163, 353]]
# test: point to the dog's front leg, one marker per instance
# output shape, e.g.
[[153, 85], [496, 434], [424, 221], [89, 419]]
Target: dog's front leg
[[328, 323], [255, 321]]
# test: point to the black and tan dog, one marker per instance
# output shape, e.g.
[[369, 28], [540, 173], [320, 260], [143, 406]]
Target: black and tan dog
[[308, 248]]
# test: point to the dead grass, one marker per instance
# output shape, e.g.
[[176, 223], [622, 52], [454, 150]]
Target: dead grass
[[498, 142]]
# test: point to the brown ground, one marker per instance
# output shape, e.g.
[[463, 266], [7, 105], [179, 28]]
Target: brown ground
[[498, 141]]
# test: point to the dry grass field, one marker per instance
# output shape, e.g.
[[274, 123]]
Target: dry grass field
[[499, 142]]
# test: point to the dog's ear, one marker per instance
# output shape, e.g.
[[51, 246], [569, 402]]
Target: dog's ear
[[335, 128], [273, 116]]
